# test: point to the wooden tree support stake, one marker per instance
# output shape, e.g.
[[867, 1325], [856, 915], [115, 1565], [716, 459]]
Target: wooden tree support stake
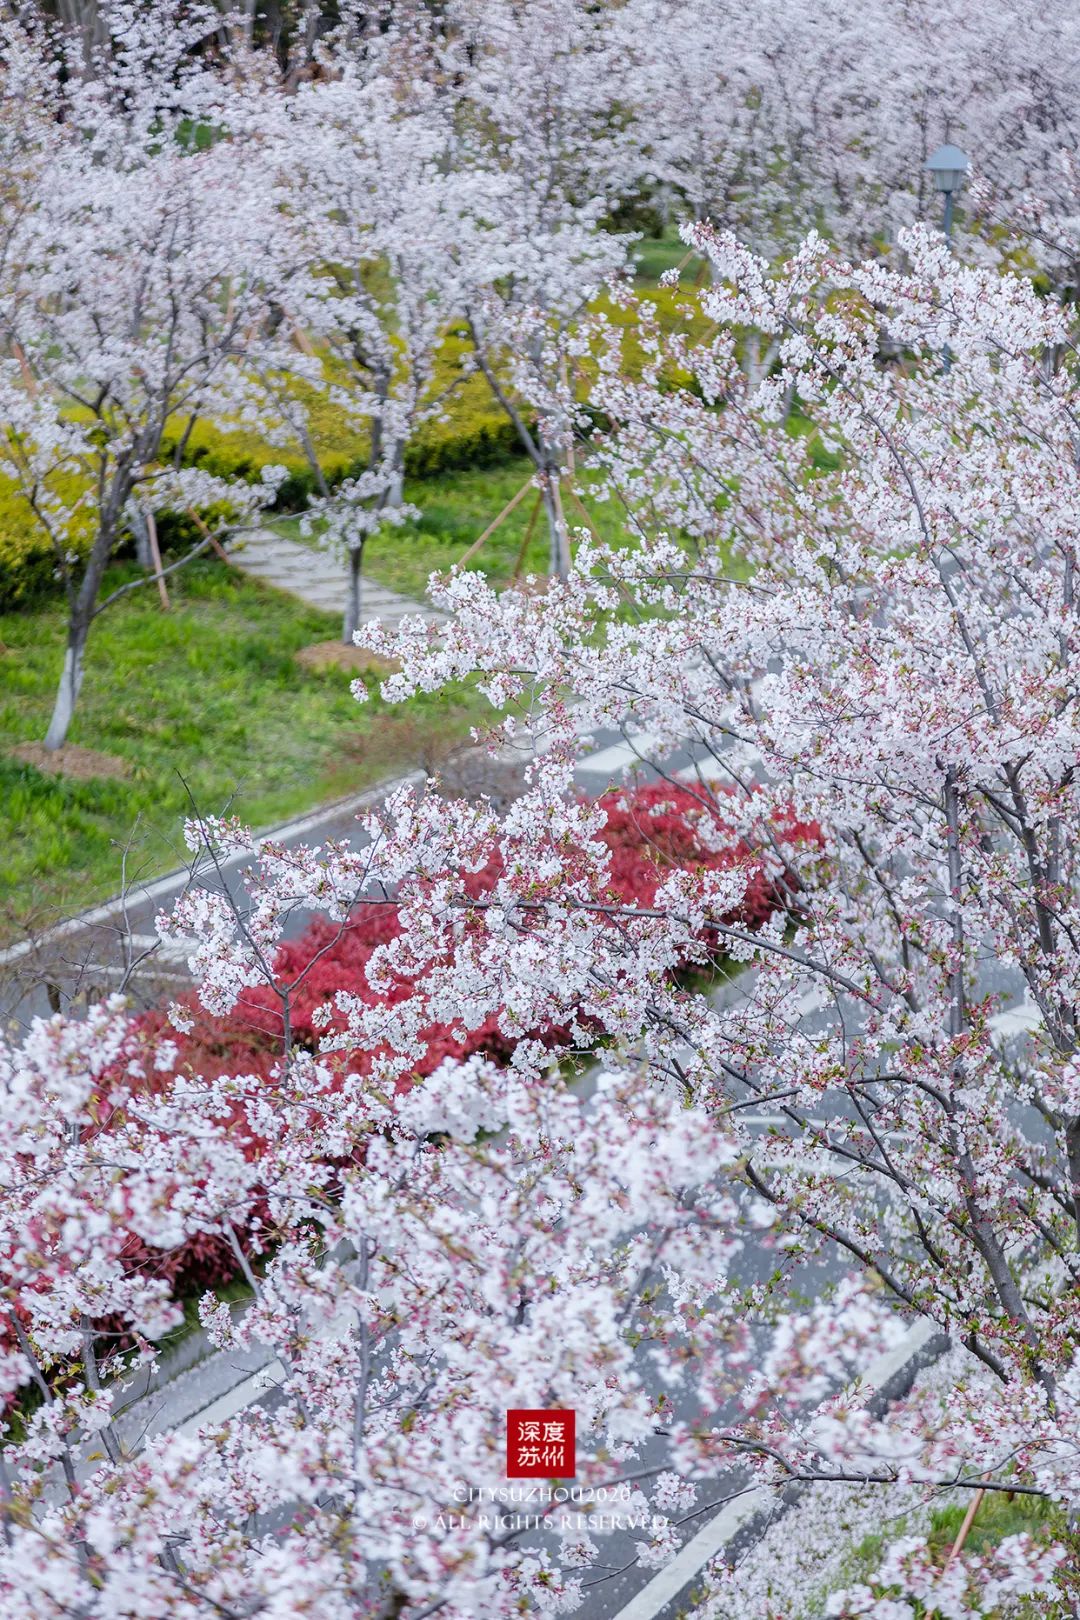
[[155, 553], [494, 524], [213, 539], [969, 1520], [529, 527]]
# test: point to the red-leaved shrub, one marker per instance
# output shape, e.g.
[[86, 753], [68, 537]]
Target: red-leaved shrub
[[650, 831]]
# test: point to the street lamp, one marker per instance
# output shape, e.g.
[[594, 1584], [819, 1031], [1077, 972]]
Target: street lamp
[[949, 167]]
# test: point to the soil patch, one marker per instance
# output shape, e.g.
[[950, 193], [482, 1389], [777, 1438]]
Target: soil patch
[[336, 655], [78, 763]]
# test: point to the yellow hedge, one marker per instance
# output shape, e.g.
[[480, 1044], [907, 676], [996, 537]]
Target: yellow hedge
[[475, 431], [27, 559]]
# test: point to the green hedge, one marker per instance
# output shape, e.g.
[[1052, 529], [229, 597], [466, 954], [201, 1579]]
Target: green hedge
[[471, 438]]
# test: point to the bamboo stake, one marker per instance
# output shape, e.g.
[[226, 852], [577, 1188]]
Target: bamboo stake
[[505, 513], [213, 539], [969, 1520], [155, 553], [530, 526]]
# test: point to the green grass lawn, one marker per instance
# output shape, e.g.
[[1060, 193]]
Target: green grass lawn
[[209, 695], [653, 255], [997, 1517], [455, 510]]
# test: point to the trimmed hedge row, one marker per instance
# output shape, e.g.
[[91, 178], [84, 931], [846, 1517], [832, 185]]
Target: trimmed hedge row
[[27, 560], [475, 433], [28, 568], [473, 437]]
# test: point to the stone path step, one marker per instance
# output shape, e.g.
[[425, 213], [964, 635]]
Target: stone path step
[[320, 578]]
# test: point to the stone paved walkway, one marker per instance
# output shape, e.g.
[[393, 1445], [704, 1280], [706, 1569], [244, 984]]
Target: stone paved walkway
[[320, 578]]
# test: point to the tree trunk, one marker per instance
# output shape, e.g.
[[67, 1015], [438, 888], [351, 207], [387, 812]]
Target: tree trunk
[[81, 605], [80, 617], [559, 540], [352, 605], [756, 365], [395, 495], [67, 693], [142, 542]]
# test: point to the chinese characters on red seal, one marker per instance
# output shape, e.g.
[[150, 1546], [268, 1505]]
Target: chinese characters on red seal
[[540, 1444]]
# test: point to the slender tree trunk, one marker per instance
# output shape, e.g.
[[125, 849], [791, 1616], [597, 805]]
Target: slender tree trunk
[[80, 616], [352, 605], [142, 542], [81, 605], [541, 452], [395, 496], [67, 693], [558, 540], [757, 364], [1072, 1146]]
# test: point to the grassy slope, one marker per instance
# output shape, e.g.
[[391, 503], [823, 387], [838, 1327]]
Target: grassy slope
[[208, 693], [996, 1518]]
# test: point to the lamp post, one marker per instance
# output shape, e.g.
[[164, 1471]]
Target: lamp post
[[948, 168]]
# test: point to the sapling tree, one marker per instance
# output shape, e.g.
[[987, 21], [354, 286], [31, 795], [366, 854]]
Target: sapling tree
[[532, 282], [137, 280], [378, 209]]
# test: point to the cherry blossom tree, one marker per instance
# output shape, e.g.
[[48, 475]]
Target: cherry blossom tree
[[541, 144], [481, 1244], [136, 289], [895, 668], [870, 629], [379, 212], [770, 120]]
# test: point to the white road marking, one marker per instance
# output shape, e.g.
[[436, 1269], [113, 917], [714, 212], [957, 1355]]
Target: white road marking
[[171, 950], [234, 1400]]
